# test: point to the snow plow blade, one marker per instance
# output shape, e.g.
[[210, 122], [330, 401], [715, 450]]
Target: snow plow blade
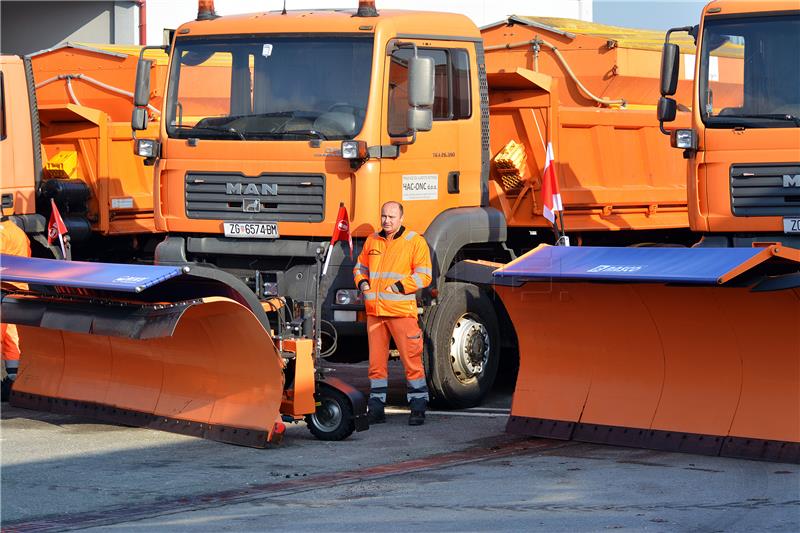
[[694, 350], [172, 348]]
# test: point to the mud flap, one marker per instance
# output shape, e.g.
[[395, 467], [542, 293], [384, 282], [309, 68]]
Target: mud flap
[[658, 348], [357, 400], [205, 367]]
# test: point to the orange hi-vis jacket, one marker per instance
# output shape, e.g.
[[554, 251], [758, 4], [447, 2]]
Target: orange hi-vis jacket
[[403, 262], [14, 241]]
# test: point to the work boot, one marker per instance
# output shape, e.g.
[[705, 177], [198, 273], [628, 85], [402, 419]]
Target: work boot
[[375, 413], [417, 416], [5, 389]]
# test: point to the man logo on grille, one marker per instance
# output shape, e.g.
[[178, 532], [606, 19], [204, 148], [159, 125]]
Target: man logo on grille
[[252, 189], [791, 181]]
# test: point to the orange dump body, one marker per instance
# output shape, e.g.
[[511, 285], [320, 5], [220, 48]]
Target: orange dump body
[[615, 169], [84, 94]]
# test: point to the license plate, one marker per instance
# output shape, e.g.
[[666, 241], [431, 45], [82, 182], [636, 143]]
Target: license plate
[[791, 225], [251, 230]]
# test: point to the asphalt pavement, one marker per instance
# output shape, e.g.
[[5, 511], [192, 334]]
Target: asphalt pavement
[[458, 472]]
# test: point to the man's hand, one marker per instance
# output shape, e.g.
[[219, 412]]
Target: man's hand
[[395, 288], [363, 286]]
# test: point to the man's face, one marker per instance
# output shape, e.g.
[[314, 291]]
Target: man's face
[[391, 219]]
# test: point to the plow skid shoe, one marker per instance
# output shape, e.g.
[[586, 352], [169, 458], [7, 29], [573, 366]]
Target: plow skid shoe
[[628, 347], [205, 367]]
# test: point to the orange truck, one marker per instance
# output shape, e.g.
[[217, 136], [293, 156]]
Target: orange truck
[[301, 111], [66, 138], [743, 145]]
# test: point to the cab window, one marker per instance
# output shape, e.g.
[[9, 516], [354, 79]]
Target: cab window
[[452, 98], [2, 108]]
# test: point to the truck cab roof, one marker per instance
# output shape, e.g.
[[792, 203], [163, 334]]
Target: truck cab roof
[[390, 22]]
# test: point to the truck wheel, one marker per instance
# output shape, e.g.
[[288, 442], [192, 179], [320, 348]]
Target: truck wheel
[[463, 346], [333, 419]]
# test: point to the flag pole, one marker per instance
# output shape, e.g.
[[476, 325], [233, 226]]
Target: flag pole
[[328, 254], [556, 214], [562, 240]]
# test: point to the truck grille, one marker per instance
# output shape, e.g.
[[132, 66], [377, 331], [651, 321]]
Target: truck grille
[[266, 197], [765, 190]]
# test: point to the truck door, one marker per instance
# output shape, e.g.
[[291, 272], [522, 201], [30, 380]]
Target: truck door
[[441, 168], [16, 141]]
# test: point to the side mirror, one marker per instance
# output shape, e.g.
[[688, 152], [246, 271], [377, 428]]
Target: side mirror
[[139, 119], [670, 61], [420, 81], [667, 109], [420, 119], [141, 94]]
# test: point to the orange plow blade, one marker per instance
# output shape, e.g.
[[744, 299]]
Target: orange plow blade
[[658, 348], [206, 366]]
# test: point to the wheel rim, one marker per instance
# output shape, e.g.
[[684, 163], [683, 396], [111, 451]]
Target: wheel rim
[[469, 347], [328, 415]]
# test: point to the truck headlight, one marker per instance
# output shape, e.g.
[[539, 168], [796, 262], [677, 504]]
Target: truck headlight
[[354, 149], [686, 139], [348, 296], [147, 148]]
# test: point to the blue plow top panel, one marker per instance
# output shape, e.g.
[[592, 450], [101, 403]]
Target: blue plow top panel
[[680, 265], [80, 274]]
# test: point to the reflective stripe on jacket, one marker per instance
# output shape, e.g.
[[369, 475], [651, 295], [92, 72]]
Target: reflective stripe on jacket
[[395, 269]]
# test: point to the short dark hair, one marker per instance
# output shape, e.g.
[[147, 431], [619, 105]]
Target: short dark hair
[[398, 204]]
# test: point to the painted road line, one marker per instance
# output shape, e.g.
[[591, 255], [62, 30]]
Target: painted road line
[[400, 411], [505, 446]]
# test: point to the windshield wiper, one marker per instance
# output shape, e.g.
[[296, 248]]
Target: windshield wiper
[[767, 116], [307, 133], [220, 129]]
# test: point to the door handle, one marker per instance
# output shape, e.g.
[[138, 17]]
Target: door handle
[[452, 182]]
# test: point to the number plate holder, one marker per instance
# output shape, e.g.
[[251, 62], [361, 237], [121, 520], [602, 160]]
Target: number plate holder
[[791, 224], [251, 230]]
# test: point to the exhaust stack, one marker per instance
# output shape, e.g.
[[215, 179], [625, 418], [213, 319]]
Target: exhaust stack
[[366, 8]]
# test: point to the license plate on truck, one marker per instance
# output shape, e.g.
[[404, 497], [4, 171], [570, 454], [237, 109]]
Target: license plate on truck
[[251, 230], [791, 224]]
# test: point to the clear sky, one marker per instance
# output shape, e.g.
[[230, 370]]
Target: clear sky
[[648, 14]]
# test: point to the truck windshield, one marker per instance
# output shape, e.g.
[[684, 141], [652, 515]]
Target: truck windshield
[[750, 72], [269, 87]]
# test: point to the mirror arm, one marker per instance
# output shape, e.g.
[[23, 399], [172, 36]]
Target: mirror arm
[[687, 29], [399, 44], [412, 133]]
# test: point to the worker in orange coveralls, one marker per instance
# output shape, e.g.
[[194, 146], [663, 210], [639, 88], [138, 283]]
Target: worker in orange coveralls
[[392, 266], [13, 241]]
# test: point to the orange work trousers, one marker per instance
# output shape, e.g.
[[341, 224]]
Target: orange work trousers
[[9, 348], [407, 337]]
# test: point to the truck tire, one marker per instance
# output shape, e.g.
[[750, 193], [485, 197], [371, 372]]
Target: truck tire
[[462, 348]]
